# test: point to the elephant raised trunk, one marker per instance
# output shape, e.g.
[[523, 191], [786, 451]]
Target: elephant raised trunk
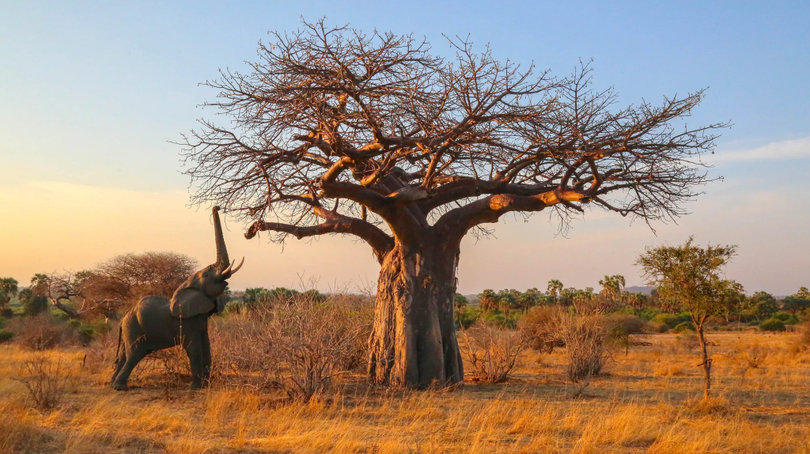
[[225, 267], [222, 251]]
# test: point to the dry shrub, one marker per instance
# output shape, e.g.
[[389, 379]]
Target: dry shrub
[[172, 362], [688, 341], [803, 341], [705, 406], [668, 370], [100, 354], [755, 356], [41, 332], [46, 379], [539, 328], [619, 328], [298, 347], [584, 337], [492, 351]]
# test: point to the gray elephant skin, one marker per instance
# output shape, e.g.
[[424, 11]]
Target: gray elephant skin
[[156, 323]]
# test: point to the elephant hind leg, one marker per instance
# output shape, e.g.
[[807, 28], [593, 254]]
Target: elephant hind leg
[[133, 357], [119, 364]]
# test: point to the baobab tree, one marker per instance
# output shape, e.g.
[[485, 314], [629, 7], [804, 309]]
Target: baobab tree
[[332, 131]]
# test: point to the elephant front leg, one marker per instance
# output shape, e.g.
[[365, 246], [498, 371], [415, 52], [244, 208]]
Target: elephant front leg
[[194, 350], [206, 359]]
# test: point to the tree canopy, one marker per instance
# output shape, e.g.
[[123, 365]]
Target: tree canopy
[[336, 131], [115, 283]]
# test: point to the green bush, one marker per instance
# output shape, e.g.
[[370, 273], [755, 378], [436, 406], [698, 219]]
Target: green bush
[[102, 327], [627, 310], [467, 317], [786, 318], [7, 312], [499, 319], [5, 336], [86, 334], [35, 305], [649, 313], [684, 326], [669, 321], [772, 324]]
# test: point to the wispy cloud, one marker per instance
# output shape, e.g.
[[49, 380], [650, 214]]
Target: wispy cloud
[[784, 149]]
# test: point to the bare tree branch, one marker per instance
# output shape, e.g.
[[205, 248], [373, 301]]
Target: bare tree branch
[[409, 141]]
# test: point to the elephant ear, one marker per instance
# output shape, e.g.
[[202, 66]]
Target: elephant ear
[[222, 301], [189, 302]]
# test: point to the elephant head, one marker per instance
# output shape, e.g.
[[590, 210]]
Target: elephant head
[[198, 295]]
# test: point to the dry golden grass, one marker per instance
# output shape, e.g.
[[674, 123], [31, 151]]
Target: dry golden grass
[[648, 401]]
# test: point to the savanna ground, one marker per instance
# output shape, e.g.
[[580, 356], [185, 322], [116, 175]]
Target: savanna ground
[[647, 401]]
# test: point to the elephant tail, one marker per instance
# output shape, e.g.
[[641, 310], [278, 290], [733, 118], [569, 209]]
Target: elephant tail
[[118, 347]]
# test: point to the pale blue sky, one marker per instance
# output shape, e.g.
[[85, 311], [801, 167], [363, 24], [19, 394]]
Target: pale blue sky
[[90, 93]]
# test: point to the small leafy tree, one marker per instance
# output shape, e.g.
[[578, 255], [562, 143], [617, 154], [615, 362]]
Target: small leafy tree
[[8, 288], [761, 305], [460, 302], [794, 304], [733, 299], [691, 275], [33, 304]]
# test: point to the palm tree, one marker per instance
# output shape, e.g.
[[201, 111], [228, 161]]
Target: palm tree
[[8, 288], [607, 286], [554, 288], [612, 286], [636, 300], [489, 300]]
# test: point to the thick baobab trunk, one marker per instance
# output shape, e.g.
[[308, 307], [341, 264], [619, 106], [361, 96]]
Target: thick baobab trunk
[[414, 339]]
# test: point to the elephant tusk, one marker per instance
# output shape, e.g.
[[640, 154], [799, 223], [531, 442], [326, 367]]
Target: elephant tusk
[[227, 270], [234, 270]]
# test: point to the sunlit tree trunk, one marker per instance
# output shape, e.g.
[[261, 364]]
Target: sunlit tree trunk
[[414, 340], [707, 362]]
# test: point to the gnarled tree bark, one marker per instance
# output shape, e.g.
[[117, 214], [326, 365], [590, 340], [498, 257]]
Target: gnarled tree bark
[[414, 337]]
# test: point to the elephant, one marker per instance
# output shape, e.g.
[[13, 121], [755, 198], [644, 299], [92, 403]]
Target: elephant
[[156, 323]]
